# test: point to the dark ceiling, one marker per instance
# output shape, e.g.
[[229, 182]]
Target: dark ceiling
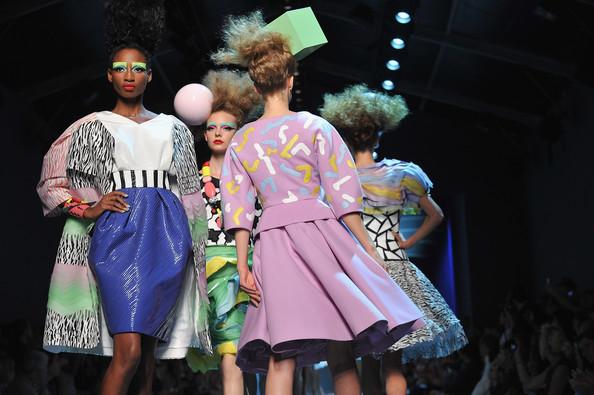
[[507, 60]]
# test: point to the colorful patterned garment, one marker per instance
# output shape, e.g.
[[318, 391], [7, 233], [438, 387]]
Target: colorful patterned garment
[[317, 284], [228, 304], [79, 165], [391, 187]]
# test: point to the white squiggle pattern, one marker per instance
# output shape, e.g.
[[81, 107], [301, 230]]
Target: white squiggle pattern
[[348, 198], [308, 122], [238, 179], [228, 207], [339, 183], [321, 144], [292, 198], [281, 134], [265, 158], [301, 147]]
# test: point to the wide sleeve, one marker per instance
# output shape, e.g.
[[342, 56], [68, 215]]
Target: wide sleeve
[[237, 193], [55, 186], [415, 183], [185, 167], [337, 170], [184, 159]]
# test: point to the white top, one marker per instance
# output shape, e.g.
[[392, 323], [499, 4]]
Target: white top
[[140, 146]]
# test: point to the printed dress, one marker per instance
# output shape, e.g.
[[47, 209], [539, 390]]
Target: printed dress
[[228, 304], [140, 271], [317, 284], [389, 188]]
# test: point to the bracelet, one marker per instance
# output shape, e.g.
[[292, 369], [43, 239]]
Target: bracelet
[[75, 207]]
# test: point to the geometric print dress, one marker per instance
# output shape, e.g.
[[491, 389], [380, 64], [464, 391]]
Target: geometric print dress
[[389, 188]]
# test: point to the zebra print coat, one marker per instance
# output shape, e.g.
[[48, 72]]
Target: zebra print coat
[[79, 164]]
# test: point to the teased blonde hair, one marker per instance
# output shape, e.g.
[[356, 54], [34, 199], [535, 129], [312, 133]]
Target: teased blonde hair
[[233, 92], [267, 55], [360, 114]]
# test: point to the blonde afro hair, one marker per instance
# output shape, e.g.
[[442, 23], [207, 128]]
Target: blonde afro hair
[[361, 114], [267, 55], [233, 92]]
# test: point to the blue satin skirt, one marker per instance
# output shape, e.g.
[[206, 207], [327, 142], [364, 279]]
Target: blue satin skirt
[[139, 260]]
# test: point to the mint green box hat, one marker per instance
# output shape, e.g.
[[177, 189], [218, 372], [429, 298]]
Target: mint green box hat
[[302, 29]]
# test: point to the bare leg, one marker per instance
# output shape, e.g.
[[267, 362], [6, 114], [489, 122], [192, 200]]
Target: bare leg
[[395, 380], [142, 383], [279, 380], [123, 365], [232, 376], [341, 362], [371, 376]]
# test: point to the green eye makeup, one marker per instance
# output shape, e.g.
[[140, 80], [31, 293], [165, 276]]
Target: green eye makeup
[[119, 66], [231, 125], [137, 67]]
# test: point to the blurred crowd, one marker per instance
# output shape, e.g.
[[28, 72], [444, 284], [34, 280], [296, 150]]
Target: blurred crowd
[[540, 346]]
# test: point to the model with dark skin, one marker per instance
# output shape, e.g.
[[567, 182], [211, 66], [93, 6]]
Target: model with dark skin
[[133, 359]]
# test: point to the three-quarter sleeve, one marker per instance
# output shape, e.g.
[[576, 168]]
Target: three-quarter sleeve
[[415, 183], [55, 184], [338, 172], [238, 194], [53, 187], [184, 162]]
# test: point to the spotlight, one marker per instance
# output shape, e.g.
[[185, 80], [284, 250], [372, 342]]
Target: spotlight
[[397, 43], [388, 85], [392, 65], [403, 17]]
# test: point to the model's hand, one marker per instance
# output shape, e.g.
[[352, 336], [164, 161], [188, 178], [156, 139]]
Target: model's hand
[[247, 284], [402, 242], [113, 201]]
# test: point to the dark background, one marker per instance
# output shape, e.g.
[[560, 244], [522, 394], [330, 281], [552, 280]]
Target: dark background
[[501, 95]]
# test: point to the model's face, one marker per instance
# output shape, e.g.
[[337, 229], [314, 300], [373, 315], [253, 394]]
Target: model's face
[[220, 128], [128, 73]]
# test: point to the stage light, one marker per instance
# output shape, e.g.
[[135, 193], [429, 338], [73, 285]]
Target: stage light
[[403, 17], [392, 65], [388, 85], [397, 43]]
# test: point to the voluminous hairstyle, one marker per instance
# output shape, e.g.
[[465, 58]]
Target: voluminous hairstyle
[[267, 55], [233, 92], [137, 24], [360, 115]]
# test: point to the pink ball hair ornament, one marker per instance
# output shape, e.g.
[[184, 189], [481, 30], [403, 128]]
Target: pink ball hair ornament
[[193, 103]]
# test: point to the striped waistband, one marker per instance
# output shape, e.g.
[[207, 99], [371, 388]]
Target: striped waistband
[[140, 179]]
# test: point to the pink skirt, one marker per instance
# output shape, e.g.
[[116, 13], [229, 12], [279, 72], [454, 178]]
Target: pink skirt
[[317, 284]]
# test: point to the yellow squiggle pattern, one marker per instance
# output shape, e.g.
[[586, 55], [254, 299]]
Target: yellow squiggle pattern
[[333, 163], [285, 153], [232, 188], [253, 167], [246, 136], [307, 170], [236, 215]]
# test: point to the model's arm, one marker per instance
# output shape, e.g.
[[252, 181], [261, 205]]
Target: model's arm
[[355, 224], [433, 217], [246, 278]]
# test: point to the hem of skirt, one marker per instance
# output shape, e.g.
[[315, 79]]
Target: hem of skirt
[[253, 357], [97, 350], [161, 338], [446, 343], [440, 345]]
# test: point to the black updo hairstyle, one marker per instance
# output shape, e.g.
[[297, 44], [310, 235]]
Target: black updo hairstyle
[[136, 24]]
